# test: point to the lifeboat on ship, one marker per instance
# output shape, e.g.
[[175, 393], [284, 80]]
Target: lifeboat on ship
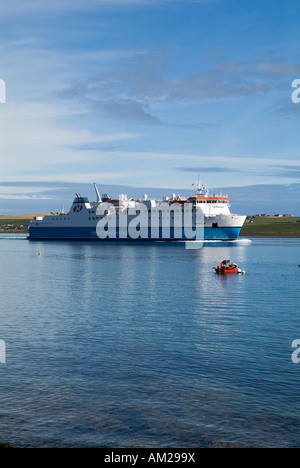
[[117, 201], [226, 268], [177, 199]]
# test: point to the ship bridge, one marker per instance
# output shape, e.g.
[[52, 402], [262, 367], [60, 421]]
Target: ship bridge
[[80, 199]]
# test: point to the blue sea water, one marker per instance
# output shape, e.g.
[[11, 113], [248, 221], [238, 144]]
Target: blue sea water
[[145, 346]]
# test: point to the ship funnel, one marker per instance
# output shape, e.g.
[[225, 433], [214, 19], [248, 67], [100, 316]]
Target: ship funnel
[[98, 194]]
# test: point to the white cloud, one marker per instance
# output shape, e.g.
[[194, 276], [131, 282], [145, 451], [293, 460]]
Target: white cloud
[[34, 139], [279, 68], [135, 85]]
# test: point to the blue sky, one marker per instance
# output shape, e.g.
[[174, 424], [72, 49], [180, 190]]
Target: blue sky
[[148, 93]]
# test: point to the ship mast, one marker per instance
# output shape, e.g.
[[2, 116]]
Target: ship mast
[[99, 200], [201, 189], [199, 184]]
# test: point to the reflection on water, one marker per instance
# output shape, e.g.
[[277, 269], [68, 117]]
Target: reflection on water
[[146, 346]]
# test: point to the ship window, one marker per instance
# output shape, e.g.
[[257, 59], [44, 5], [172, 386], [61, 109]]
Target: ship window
[[214, 225]]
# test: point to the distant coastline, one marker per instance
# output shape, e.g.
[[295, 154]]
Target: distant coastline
[[284, 226]]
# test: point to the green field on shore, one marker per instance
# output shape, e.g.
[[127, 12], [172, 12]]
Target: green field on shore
[[255, 227], [18, 225], [271, 227]]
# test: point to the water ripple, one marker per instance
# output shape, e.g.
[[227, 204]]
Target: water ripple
[[147, 347]]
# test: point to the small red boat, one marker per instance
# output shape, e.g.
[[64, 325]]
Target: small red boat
[[226, 268]]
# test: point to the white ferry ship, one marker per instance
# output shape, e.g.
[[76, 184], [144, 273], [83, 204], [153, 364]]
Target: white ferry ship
[[165, 219]]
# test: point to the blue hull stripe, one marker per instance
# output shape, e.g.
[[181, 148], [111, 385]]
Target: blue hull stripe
[[72, 233]]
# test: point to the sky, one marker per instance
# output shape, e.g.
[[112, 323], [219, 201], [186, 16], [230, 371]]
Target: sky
[[149, 93]]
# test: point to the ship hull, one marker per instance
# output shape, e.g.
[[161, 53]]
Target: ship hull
[[90, 233]]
